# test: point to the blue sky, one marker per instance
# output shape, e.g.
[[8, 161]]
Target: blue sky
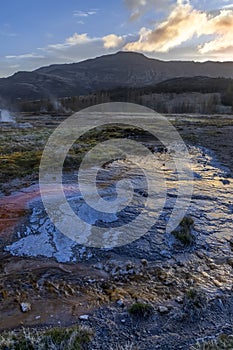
[[37, 33]]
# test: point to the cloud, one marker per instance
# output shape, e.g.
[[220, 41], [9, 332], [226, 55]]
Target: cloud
[[76, 40], [84, 13], [185, 33], [229, 6], [75, 48], [222, 25], [27, 55], [185, 23], [180, 26], [112, 41], [139, 7]]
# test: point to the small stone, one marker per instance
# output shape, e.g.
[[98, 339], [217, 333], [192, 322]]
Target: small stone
[[25, 307], [200, 255], [217, 283], [123, 321], [91, 281], [163, 309], [120, 303], [144, 262], [99, 266], [230, 262], [84, 317], [165, 254], [179, 299]]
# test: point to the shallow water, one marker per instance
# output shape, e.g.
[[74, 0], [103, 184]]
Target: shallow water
[[211, 208]]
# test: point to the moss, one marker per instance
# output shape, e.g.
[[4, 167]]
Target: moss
[[184, 232], [19, 164], [140, 310]]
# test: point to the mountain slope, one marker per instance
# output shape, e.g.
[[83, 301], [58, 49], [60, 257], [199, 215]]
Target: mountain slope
[[126, 69]]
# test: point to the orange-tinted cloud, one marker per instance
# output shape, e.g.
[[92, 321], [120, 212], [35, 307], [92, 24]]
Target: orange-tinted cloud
[[184, 23], [180, 26], [112, 41], [222, 26]]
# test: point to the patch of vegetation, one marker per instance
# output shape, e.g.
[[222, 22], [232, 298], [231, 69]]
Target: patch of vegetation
[[196, 296], [19, 164], [141, 310], [184, 231], [73, 338], [195, 301], [222, 342]]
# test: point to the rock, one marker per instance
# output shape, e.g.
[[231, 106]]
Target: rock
[[217, 283], [230, 262], [144, 262], [163, 310], [99, 266], [91, 281], [231, 244], [179, 299], [25, 307], [165, 254], [120, 303], [123, 320], [84, 317], [200, 255]]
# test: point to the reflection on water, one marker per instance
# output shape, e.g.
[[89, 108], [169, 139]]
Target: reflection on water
[[211, 208]]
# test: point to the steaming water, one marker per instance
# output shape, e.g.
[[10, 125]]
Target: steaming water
[[5, 117]]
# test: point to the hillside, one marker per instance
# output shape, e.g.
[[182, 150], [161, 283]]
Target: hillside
[[125, 69]]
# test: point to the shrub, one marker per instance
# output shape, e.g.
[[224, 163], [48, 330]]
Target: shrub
[[195, 302], [184, 231], [141, 310]]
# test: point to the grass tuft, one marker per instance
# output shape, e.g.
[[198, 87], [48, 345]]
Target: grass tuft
[[184, 231], [222, 342], [73, 338], [141, 310]]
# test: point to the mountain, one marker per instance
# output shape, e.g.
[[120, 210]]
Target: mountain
[[123, 69]]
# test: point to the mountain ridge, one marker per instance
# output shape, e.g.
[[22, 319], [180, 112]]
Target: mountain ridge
[[122, 69]]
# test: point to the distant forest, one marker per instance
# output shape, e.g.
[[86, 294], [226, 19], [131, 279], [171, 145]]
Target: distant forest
[[179, 95]]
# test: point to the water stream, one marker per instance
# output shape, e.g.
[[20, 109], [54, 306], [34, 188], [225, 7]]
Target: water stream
[[211, 208]]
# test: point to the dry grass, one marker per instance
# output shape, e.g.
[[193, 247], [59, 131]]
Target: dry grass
[[128, 346], [73, 338], [222, 342], [141, 310]]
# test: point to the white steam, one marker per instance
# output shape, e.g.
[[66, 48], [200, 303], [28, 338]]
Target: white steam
[[5, 117]]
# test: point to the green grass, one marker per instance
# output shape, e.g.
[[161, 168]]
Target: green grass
[[184, 232], [73, 338], [140, 310], [19, 164]]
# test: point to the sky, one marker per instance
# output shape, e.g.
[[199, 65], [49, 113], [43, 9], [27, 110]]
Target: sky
[[40, 33]]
